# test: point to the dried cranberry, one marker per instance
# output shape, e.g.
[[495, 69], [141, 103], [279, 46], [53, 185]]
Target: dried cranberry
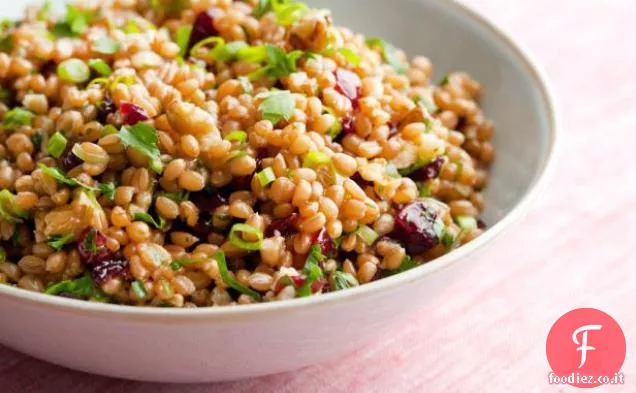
[[208, 201], [393, 130], [106, 108], [429, 171], [481, 224], [132, 114], [284, 226], [326, 243], [49, 68], [360, 181], [348, 84], [202, 28], [240, 183], [348, 127], [108, 269], [415, 227], [69, 160], [92, 247]]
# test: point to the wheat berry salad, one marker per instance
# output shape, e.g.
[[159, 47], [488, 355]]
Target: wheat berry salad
[[199, 153]]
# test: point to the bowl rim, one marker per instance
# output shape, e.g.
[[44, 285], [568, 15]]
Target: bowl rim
[[275, 309]]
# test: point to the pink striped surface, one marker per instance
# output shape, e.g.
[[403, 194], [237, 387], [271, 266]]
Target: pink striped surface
[[486, 331]]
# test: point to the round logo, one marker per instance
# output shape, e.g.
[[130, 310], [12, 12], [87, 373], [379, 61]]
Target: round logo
[[586, 348]]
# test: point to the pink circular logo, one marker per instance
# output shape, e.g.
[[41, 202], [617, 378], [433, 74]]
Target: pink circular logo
[[586, 348]]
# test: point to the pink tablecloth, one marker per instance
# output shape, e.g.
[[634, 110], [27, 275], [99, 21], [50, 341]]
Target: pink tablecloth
[[487, 332]]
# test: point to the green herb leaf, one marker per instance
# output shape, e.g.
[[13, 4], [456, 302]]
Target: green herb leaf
[[75, 22], [277, 105], [9, 210], [389, 54], [105, 45], [312, 271], [143, 137], [236, 136], [82, 288], [182, 38], [263, 7], [148, 219], [3, 255], [6, 36], [443, 81], [176, 196], [16, 118], [231, 282], [58, 242], [108, 190], [341, 280], [279, 63], [407, 264]]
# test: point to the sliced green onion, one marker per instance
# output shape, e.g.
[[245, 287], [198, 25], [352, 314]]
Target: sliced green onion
[[288, 13], [56, 145], [99, 81], [236, 239], [179, 263], [315, 159], [238, 136], [101, 67], [139, 290], [341, 280], [227, 52], [367, 234], [216, 41], [351, 57], [73, 71], [231, 282], [105, 45], [266, 176], [182, 37], [252, 54], [466, 223]]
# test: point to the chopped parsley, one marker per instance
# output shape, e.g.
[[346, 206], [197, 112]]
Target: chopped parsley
[[16, 118], [58, 242], [407, 264], [148, 219], [278, 63], [143, 137], [341, 280], [389, 54], [82, 288], [107, 189], [277, 105], [312, 271]]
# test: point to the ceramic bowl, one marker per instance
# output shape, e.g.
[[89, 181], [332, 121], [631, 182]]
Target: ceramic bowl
[[195, 345]]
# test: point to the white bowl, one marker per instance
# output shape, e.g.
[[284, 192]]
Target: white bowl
[[196, 345]]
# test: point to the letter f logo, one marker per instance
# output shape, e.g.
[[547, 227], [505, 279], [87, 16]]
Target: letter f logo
[[583, 344]]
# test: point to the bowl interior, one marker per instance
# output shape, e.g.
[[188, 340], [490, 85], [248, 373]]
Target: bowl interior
[[453, 42]]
